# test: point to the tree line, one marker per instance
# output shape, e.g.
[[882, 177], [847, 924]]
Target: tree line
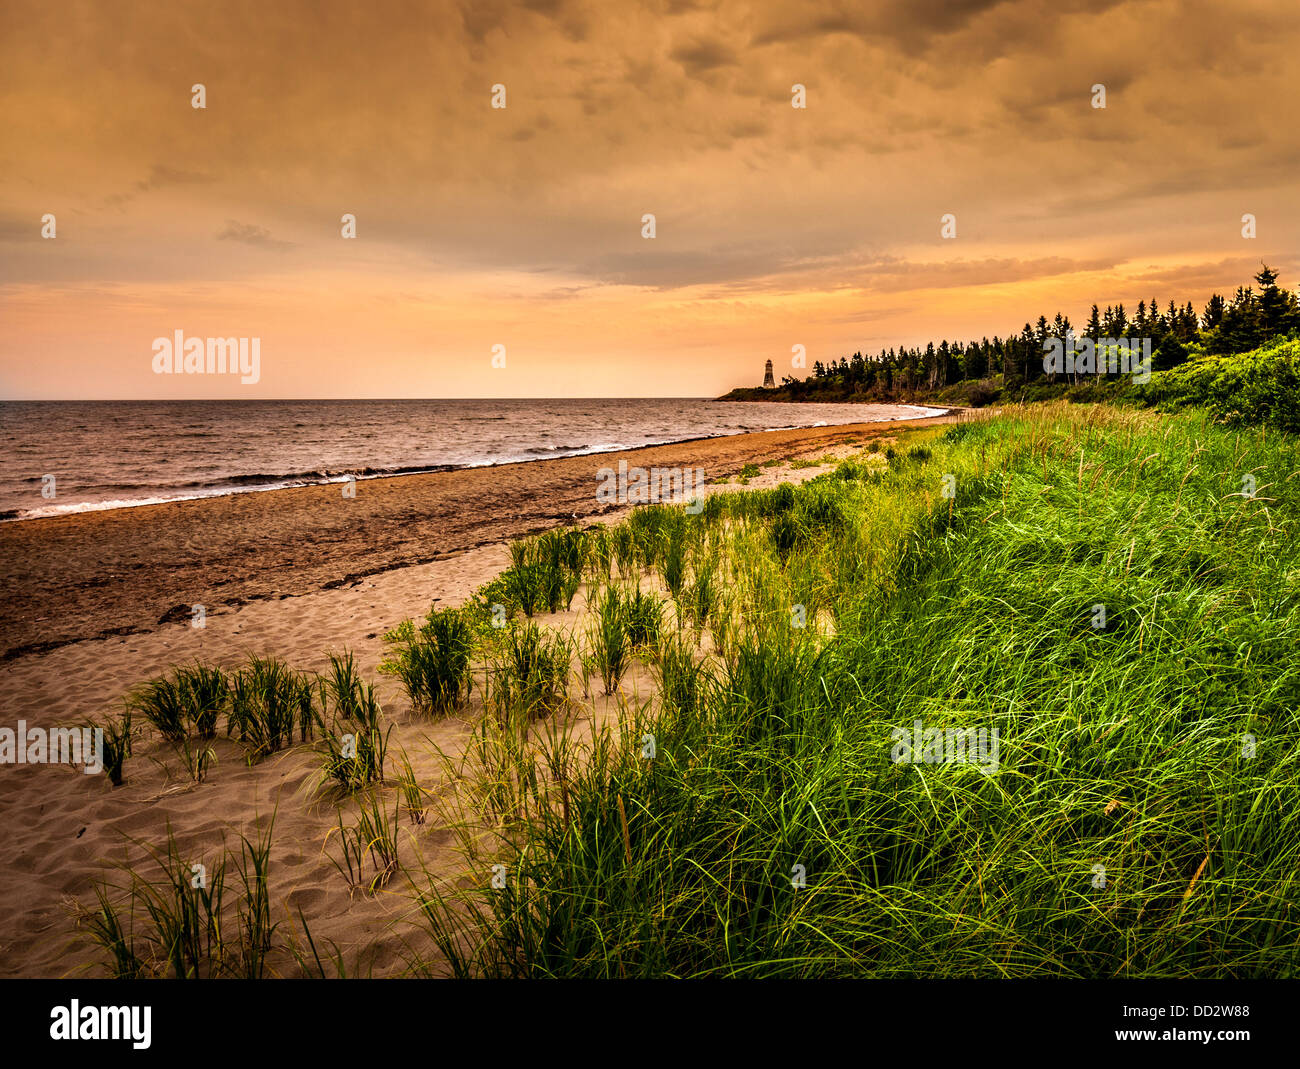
[[1247, 320]]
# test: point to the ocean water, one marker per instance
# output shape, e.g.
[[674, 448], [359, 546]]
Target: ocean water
[[116, 454]]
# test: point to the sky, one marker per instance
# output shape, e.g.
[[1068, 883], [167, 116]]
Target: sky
[[522, 227]]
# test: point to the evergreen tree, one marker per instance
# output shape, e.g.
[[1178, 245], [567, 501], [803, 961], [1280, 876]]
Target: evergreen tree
[[1155, 324], [1279, 312], [1093, 329], [1213, 314], [1240, 331]]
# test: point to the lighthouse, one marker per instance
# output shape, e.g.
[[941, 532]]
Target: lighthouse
[[769, 383]]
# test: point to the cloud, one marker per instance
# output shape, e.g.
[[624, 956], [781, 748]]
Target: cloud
[[161, 176], [704, 55], [1208, 274], [913, 22], [251, 234]]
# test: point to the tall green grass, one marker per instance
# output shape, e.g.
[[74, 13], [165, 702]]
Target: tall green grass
[[186, 701], [1140, 820], [354, 749], [528, 674]]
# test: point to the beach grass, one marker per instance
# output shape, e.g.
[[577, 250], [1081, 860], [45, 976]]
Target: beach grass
[[1091, 584], [268, 699], [433, 662], [1098, 594], [182, 921]]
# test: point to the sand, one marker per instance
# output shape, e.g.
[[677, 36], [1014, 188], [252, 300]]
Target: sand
[[291, 573]]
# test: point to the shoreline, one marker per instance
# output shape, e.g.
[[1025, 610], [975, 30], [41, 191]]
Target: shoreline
[[293, 481], [91, 575]]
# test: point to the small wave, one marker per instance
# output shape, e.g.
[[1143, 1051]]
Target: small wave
[[219, 488], [95, 506], [311, 477], [545, 450]]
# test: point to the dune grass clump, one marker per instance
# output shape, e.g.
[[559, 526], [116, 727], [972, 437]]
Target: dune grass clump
[[566, 550], [183, 921], [682, 678], [526, 586], [268, 699], [700, 595], [545, 572], [528, 676], [208, 691], [611, 647], [162, 702], [374, 836], [433, 663], [184, 707], [354, 751], [600, 553], [187, 701], [414, 797], [674, 569], [1089, 588], [643, 619], [623, 545], [342, 686], [647, 527], [118, 735], [112, 929]]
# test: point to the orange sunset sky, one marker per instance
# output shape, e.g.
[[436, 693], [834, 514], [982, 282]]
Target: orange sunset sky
[[521, 226]]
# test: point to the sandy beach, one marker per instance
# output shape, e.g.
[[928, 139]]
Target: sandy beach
[[97, 602]]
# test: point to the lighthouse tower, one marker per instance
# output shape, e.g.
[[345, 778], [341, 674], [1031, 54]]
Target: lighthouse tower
[[769, 383]]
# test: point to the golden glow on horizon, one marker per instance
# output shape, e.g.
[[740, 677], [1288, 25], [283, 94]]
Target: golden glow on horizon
[[521, 227]]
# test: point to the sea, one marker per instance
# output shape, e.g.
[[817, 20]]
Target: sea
[[76, 456]]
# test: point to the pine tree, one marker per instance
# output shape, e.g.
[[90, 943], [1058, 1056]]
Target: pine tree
[[1278, 309], [1213, 314], [1155, 324], [1240, 330]]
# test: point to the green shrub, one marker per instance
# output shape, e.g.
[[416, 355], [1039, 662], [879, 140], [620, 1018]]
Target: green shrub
[[1259, 387]]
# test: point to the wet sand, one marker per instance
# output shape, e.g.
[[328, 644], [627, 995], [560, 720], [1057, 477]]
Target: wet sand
[[124, 571]]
